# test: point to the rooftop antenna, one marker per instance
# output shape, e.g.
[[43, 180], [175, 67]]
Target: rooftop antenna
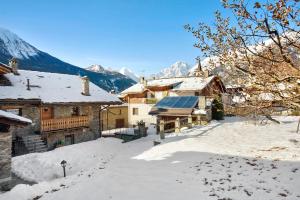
[[28, 84]]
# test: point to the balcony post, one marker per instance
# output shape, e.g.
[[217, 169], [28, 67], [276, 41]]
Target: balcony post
[[177, 125], [162, 129]]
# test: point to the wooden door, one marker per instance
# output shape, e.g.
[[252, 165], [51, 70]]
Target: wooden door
[[120, 123], [69, 139], [47, 113]]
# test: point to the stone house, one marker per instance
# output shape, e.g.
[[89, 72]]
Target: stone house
[[8, 123], [142, 96], [65, 109]]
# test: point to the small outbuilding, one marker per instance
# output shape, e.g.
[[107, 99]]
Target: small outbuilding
[[8, 122], [182, 110]]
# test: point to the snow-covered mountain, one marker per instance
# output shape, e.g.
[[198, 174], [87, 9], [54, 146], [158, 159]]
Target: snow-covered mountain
[[96, 68], [127, 72], [177, 69], [30, 58], [13, 45]]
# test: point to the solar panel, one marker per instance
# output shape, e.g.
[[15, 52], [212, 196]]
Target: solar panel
[[177, 102]]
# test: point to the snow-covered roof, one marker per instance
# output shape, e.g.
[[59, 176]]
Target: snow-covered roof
[[179, 83], [4, 68], [193, 83], [165, 82], [14, 117], [137, 88], [52, 88]]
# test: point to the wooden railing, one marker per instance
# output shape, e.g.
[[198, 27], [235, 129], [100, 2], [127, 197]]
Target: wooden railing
[[143, 100], [64, 123]]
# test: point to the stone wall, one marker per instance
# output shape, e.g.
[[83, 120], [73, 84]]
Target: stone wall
[[66, 111], [5, 159], [94, 123], [80, 134], [33, 113], [60, 111]]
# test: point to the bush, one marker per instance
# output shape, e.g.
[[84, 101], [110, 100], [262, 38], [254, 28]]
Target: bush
[[217, 109], [59, 143]]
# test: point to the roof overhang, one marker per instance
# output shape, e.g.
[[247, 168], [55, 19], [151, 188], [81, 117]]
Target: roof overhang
[[4, 69], [12, 119], [171, 112], [20, 101], [84, 103], [39, 102]]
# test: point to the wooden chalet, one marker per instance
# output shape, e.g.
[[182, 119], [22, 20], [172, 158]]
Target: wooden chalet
[[142, 96]]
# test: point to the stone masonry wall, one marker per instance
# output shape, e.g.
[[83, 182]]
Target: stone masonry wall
[[5, 156], [94, 124], [66, 111], [81, 134], [33, 113]]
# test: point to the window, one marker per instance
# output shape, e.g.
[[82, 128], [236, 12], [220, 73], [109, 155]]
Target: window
[[135, 111], [69, 139], [75, 111]]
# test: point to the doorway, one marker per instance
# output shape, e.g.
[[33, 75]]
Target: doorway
[[69, 139], [120, 123], [47, 113]]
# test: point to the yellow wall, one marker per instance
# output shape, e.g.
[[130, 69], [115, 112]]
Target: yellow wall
[[114, 113]]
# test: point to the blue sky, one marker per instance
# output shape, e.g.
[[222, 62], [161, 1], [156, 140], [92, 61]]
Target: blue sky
[[143, 35]]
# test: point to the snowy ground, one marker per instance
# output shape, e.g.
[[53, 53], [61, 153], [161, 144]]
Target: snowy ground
[[232, 159]]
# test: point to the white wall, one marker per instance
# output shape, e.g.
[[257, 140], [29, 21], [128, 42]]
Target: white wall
[[143, 110]]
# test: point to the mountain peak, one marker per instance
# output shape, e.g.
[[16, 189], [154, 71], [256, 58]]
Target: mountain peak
[[177, 69], [96, 68], [30, 58], [127, 72], [14, 46]]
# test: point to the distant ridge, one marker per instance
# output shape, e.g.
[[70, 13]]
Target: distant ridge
[[30, 58]]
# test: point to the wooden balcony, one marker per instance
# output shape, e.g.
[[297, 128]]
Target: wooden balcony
[[143, 100], [64, 123]]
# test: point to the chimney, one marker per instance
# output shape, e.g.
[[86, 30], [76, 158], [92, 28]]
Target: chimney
[[206, 73], [142, 80], [28, 84], [85, 86], [13, 63]]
